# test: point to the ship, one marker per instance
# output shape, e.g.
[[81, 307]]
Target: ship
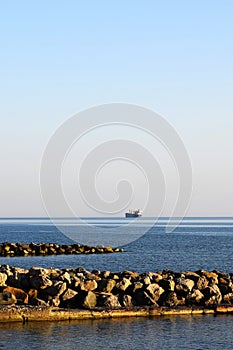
[[133, 213]]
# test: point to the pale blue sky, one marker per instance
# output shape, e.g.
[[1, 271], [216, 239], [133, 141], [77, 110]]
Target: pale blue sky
[[59, 57]]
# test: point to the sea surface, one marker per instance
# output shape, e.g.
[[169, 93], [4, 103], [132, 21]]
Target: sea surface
[[197, 243]]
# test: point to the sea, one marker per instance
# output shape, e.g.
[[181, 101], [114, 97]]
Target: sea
[[196, 243]]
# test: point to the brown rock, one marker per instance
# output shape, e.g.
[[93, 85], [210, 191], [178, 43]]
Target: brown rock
[[154, 291], [18, 293], [6, 298], [88, 285], [143, 298]]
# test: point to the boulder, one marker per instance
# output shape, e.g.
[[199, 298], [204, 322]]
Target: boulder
[[19, 294], [168, 284], [56, 289], [88, 285], [184, 285], [3, 278], [106, 285], [212, 296], [142, 298], [126, 300], [202, 283], [195, 297], [123, 284], [6, 298], [170, 299], [69, 298], [108, 300], [154, 291], [86, 299]]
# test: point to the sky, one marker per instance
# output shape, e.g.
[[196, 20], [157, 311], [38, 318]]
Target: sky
[[60, 57]]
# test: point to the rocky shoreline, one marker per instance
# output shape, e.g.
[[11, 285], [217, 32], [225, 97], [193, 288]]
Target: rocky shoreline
[[53, 294], [22, 249]]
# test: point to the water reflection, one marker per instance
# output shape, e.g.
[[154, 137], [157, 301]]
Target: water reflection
[[173, 332]]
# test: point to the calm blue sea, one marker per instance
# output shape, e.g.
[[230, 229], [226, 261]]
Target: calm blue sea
[[197, 243]]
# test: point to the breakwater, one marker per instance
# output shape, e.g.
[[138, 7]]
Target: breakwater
[[22, 249], [39, 293]]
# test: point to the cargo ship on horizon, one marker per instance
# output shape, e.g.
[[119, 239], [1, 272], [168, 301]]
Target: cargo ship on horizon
[[133, 213]]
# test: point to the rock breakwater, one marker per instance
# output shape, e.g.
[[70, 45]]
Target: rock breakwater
[[106, 290], [20, 249]]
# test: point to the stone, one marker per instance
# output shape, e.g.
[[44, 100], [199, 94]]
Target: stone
[[106, 285], [7, 298], [212, 295], [126, 300], [3, 278], [211, 276], [108, 301], [196, 297], [38, 302], [184, 285], [32, 293], [56, 289], [19, 294], [38, 278], [202, 283], [88, 285], [228, 298], [123, 284], [154, 290], [170, 299], [167, 284], [89, 300], [142, 298], [69, 298]]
